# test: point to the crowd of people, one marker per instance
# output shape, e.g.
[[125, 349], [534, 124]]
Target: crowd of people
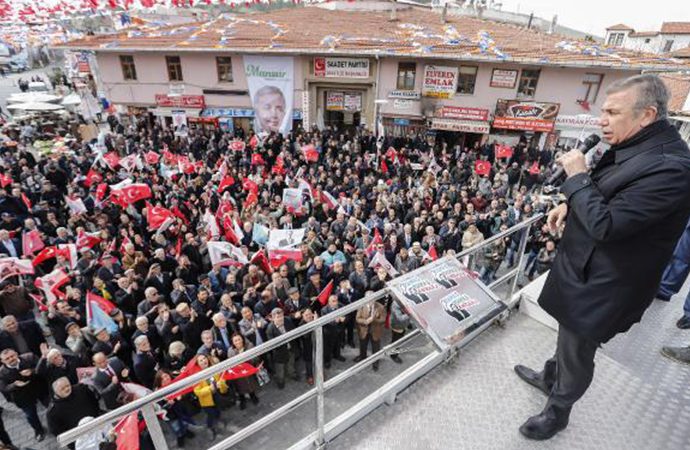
[[174, 309]]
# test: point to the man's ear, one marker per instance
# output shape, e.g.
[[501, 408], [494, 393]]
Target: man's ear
[[648, 116]]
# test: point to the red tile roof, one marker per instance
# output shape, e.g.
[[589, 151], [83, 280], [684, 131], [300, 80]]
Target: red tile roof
[[681, 53], [644, 34], [417, 33], [675, 27], [679, 88], [619, 26]]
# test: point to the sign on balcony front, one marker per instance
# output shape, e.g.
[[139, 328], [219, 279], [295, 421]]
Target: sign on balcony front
[[525, 115], [180, 101]]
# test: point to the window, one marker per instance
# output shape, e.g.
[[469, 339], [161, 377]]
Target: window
[[668, 45], [224, 65], [647, 40], [590, 87], [616, 39], [528, 83], [129, 72], [407, 71], [174, 68], [467, 76]]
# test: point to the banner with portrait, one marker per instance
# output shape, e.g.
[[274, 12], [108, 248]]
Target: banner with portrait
[[179, 119], [271, 88]]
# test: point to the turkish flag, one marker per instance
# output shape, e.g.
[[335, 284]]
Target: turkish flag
[[503, 151], [225, 183], [157, 215], [258, 160], [190, 369], [229, 229], [44, 255], [310, 153], [100, 191], [243, 370], [237, 146], [92, 177], [377, 240], [169, 157], [534, 168], [26, 201], [432, 253], [127, 431], [104, 304], [112, 159], [482, 167], [323, 296], [260, 260], [31, 242], [88, 240], [252, 198], [384, 167], [253, 142], [129, 194], [152, 157], [249, 185]]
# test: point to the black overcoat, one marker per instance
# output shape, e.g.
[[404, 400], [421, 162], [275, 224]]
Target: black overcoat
[[623, 223]]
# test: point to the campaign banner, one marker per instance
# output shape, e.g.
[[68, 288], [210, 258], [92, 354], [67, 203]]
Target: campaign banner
[[271, 87], [341, 67], [446, 300], [179, 119], [440, 81], [525, 115], [353, 101], [335, 101], [180, 101], [282, 239], [503, 78], [462, 113], [292, 199]]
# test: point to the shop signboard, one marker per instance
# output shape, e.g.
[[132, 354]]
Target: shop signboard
[[405, 95], [525, 115], [503, 78], [180, 101], [462, 113], [341, 67], [440, 81], [462, 126], [578, 121]]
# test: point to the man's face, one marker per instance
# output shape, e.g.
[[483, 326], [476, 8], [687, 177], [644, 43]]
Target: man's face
[[278, 318], [10, 325], [271, 111], [620, 120], [63, 389], [10, 358]]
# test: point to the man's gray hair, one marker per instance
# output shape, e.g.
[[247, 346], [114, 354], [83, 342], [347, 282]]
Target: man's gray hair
[[651, 91]]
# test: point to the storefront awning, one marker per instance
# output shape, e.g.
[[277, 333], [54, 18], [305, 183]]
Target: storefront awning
[[463, 126], [161, 111]]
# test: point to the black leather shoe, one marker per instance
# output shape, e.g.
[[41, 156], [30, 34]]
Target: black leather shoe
[[543, 426], [532, 378], [683, 323]]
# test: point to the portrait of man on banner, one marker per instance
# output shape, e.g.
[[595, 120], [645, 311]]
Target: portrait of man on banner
[[271, 81]]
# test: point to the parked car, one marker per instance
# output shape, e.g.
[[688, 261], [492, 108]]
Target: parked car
[[38, 86], [18, 66]]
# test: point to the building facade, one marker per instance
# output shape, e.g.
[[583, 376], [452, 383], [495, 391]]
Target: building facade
[[672, 37], [414, 74]]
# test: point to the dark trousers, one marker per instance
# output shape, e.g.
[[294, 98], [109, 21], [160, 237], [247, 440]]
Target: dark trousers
[[332, 341], [32, 417], [569, 373], [375, 347]]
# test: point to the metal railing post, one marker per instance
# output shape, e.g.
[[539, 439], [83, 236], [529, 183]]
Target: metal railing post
[[154, 427], [521, 257], [319, 382]]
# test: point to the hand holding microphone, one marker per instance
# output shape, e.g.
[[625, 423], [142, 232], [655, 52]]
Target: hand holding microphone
[[574, 161]]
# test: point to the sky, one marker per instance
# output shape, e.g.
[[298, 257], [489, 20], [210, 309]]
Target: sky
[[593, 16]]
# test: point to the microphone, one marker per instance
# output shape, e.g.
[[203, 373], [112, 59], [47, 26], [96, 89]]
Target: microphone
[[585, 146]]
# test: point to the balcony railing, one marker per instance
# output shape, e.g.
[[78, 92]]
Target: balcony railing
[[324, 431]]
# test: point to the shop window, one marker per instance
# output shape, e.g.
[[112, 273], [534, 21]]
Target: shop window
[[407, 71], [668, 45], [528, 83], [174, 68], [224, 65], [467, 78], [129, 71], [590, 87]]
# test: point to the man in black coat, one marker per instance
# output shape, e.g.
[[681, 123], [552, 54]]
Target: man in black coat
[[145, 363], [23, 337], [71, 403], [20, 385], [55, 364], [623, 221]]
